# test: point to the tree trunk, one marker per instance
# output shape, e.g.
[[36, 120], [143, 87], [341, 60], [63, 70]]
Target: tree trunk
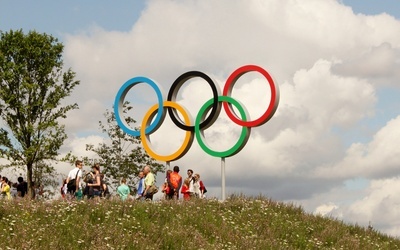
[[31, 190]]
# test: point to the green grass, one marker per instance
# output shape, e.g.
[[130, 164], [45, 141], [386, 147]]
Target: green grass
[[238, 223]]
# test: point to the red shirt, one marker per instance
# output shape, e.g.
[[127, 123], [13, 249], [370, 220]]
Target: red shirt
[[185, 192]]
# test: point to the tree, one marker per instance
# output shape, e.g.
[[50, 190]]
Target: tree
[[122, 156], [45, 175], [32, 85]]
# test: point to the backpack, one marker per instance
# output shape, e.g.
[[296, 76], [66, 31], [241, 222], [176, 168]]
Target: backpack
[[202, 187], [174, 179], [88, 178]]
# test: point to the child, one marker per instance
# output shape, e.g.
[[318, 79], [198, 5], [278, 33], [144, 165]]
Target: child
[[123, 190], [185, 189], [63, 189], [165, 187]]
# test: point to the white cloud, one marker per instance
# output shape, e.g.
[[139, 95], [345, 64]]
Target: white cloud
[[326, 209], [380, 64], [379, 207], [325, 59], [378, 158]]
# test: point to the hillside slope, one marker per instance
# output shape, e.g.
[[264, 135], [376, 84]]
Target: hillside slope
[[238, 223]]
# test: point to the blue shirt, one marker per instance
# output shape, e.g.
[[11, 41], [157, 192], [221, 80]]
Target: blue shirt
[[140, 188]]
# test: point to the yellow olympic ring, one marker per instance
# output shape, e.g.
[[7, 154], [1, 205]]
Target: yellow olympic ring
[[146, 137]]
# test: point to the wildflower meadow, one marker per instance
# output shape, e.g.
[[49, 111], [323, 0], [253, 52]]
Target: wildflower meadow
[[237, 223]]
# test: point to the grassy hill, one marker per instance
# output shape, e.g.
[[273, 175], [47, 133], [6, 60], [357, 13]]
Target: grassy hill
[[238, 223]]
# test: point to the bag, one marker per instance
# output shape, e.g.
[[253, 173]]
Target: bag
[[88, 178], [202, 187], [79, 194], [71, 185], [153, 189], [175, 179]]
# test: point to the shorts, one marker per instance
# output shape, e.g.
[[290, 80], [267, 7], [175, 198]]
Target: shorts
[[96, 192]]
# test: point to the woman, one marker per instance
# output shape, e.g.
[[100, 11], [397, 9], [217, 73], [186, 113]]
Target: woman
[[5, 188], [96, 184], [196, 186], [203, 189]]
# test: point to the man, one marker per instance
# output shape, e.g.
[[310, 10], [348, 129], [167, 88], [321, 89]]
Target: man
[[76, 175], [22, 187], [149, 181], [140, 188], [176, 182]]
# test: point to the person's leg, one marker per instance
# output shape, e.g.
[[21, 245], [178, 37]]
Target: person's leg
[[170, 195], [96, 194], [71, 194]]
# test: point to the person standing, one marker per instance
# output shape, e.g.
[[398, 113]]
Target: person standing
[[148, 182], [123, 190], [140, 188], [196, 186], [166, 187], [185, 190], [22, 187], [190, 178], [96, 184], [63, 188], [104, 187], [175, 182], [5, 188], [76, 175], [203, 189]]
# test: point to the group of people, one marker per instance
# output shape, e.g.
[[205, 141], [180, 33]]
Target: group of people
[[191, 187], [10, 190], [174, 185], [146, 186], [95, 185]]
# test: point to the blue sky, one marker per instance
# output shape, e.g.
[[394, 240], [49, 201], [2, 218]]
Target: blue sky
[[58, 17], [334, 136], [374, 7]]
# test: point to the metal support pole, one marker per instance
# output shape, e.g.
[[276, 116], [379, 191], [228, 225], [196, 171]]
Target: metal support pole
[[168, 165], [223, 178]]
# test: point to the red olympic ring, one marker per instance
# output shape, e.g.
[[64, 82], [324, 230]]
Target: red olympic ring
[[273, 104]]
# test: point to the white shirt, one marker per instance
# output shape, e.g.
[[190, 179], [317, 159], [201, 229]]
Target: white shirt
[[191, 187], [72, 175], [65, 188], [196, 188]]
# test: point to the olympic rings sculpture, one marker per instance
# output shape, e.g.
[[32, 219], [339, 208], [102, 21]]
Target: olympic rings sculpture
[[156, 114]]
